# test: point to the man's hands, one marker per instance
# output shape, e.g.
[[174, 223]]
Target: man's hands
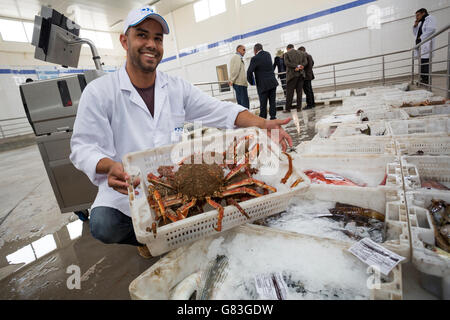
[[284, 139], [117, 178], [299, 68], [247, 119]]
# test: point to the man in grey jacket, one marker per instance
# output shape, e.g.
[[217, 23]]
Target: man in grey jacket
[[295, 62], [238, 76], [309, 76]]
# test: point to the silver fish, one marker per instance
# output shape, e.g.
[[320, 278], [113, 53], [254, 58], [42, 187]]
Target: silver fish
[[214, 275]]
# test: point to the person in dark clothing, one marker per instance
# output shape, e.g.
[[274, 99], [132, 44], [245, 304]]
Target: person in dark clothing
[[266, 83], [295, 75], [309, 76], [279, 63]]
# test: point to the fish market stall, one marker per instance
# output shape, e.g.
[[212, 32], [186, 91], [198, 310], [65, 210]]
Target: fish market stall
[[426, 172], [429, 218], [236, 265], [348, 214]]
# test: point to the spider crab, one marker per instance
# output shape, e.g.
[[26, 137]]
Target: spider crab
[[176, 195]]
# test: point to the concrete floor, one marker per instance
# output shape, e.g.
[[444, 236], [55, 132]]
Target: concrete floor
[[39, 246]]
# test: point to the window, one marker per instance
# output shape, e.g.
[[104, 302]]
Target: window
[[13, 30], [245, 1], [101, 39], [205, 9]]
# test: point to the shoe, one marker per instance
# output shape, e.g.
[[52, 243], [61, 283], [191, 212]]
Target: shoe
[[273, 118], [144, 252], [307, 108]]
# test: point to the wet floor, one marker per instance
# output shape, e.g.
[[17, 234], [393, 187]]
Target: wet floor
[[44, 253]]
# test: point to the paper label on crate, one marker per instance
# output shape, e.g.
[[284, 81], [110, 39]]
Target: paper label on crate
[[373, 254], [271, 286], [333, 177]]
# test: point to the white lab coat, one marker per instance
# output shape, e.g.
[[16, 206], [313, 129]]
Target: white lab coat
[[113, 120], [429, 27]]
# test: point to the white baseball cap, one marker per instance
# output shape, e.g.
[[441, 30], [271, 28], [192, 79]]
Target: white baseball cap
[[136, 16]]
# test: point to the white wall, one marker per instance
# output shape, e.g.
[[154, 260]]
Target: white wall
[[330, 38]]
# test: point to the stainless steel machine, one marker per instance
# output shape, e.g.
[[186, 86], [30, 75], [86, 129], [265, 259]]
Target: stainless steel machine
[[51, 107]]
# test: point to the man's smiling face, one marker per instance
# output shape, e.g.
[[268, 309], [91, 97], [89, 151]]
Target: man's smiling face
[[144, 45]]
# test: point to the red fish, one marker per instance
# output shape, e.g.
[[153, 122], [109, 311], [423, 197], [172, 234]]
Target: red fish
[[431, 184], [326, 177]]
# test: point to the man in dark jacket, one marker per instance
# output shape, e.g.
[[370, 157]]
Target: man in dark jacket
[[279, 63], [309, 76], [266, 83], [295, 62]]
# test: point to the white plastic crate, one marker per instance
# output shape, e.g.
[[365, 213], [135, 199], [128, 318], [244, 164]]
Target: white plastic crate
[[428, 111], [420, 127], [437, 146], [422, 231], [159, 281], [369, 169], [347, 145], [415, 169], [193, 228], [377, 129], [361, 107], [389, 202], [384, 115], [412, 98]]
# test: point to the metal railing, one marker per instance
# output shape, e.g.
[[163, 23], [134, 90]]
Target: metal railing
[[377, 69], [14, 127]]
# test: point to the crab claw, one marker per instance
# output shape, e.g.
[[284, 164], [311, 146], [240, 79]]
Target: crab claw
[[239, 191], [296, 182], [234, 171]]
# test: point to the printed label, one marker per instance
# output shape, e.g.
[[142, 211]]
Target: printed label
[[373, 254], [333, 177], [271, 286]]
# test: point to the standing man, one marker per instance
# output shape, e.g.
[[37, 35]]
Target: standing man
[[238, 79], [138, 108], [279, 63], [266, 83], [295, 63], [424, 26], [309, 76]]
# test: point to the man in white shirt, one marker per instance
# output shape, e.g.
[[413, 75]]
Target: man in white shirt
[[424, 26], [238, 76], [138, 108]]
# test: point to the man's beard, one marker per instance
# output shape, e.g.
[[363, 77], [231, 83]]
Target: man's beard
[[135, 59]]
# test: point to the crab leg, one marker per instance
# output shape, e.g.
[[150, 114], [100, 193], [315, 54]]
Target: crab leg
[[155, 180], [157, 197], [220, 216], [250, 181], [239, 191], [172, 215], [296, 182], [182, 212], [289, 172], [171, 201], [234, 171], [233, 202]]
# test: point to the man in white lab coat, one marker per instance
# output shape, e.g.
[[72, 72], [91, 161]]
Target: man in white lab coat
[[138, 108], [424, 26]]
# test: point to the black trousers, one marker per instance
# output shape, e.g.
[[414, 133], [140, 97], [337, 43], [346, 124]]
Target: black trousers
[[309, 93], [283, 83], [263, 97], [424, 68], [297, 85]]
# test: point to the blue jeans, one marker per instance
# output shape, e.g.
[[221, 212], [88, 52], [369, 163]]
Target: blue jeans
[[241, 95], [110, 225]]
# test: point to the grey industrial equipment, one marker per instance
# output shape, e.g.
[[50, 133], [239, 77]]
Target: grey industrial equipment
[[51, 107]]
